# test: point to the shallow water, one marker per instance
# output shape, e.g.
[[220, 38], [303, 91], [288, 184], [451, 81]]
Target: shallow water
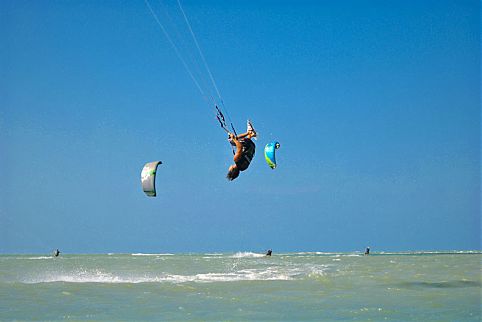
[[242, 286]]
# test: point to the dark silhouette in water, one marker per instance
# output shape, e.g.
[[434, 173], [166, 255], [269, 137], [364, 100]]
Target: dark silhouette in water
[[268, 253], [57, 252], [367, 251], [443, 284]]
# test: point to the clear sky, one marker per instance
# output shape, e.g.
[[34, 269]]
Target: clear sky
[[376, 105]]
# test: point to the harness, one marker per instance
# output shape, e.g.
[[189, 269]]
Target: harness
[[248, 150]]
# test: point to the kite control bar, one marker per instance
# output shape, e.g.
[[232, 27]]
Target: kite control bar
[[222, 121]]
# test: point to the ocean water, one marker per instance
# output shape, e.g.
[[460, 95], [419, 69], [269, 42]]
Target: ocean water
[[242, 287]]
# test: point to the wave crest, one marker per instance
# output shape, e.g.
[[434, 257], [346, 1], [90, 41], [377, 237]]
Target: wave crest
[[247, 255]]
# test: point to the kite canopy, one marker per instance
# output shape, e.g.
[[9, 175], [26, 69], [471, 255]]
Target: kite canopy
[[269, 153], [148, 178]]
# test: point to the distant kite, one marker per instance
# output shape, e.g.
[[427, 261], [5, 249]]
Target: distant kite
[[148, 178], [269, 153]]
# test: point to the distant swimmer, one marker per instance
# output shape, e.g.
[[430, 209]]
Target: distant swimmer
[[367, 251], [245, 149], [268, 253], [57, 252]]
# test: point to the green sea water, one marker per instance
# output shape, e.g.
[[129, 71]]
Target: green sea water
[[242, 287]]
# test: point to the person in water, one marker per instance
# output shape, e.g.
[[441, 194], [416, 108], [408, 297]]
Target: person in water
[[245, 149], [57, 252], [268, 253], [367, 251]]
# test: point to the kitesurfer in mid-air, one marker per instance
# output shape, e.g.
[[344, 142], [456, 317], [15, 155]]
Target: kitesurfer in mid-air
[[245, 149]]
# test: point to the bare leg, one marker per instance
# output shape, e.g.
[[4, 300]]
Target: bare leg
[[243, 135]]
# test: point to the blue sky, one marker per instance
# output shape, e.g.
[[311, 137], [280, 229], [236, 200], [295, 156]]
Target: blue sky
[[376, 105]]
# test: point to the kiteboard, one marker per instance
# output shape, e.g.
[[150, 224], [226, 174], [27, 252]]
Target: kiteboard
[[250, 128]]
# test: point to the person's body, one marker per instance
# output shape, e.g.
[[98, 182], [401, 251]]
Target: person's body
[[245, 149], [56, 253], [367, 251], [268, 253]]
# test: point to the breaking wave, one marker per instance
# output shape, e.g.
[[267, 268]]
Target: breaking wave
[[106, 277], [143, 254], [247, 254]]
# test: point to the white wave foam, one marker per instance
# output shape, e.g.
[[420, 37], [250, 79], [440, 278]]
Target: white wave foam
[[312, 253], [317, 270], [40, 257], [101, 277], [272, 273], [143, 254], [247, 254]]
